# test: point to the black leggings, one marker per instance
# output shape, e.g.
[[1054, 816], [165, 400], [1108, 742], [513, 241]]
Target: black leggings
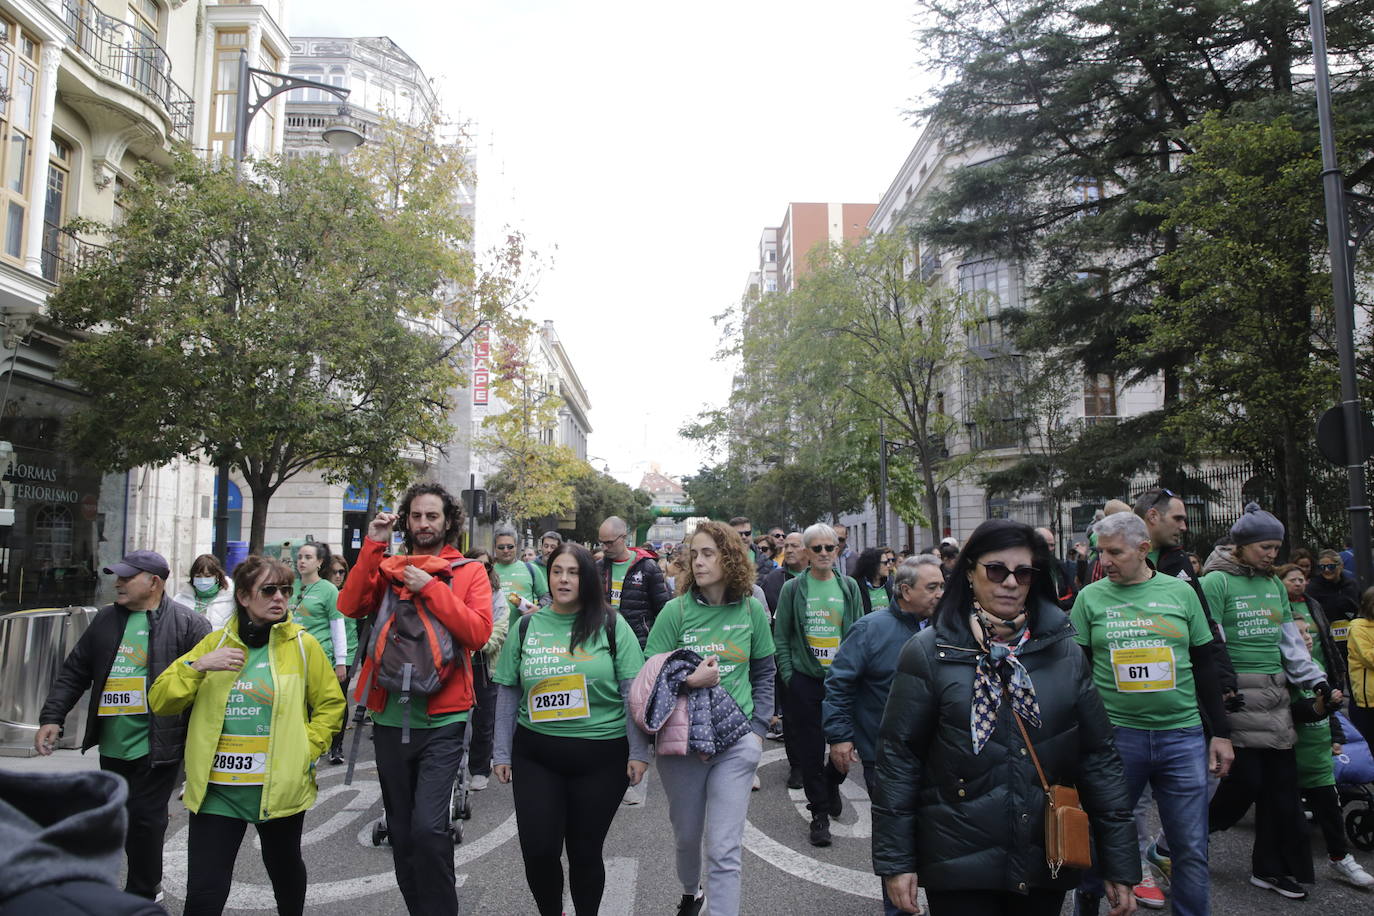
[[566, 790], [214, 845], [1325, 804]]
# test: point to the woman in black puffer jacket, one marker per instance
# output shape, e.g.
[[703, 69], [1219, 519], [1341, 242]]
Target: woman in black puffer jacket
[[960, 807]]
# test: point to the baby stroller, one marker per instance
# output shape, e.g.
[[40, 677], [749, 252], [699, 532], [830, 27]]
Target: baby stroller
[[1354, 768], [459, 805]]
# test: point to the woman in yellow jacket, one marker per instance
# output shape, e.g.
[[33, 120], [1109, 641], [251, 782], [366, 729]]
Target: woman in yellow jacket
[[1360, 651], [264, 703]]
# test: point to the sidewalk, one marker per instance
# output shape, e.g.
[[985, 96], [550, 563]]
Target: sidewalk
[[61, 761]]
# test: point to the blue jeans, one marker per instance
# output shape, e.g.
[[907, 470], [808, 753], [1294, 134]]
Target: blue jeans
[[1174, 763]]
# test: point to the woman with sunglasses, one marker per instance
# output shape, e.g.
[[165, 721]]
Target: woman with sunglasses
[[265, 702], [483, 687], [815, 611], [959, 807], [873, 570], [1338, 595]]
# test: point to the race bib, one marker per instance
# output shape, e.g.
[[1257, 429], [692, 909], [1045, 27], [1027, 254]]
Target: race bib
[[123, 696], [558, 699], [1144, 670], [824, 648], [1340, 632], [240, 760]]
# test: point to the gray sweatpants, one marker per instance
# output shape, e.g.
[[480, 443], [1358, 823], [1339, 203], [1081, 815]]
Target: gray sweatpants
[[710, 799]]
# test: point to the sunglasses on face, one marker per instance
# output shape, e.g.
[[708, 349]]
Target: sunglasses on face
[[270, 591], [746, 534], [997, 573], [1326, 566], [823, 548], [778, 537]]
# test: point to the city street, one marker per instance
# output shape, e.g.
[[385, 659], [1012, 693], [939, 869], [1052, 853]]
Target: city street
[[782, 873]]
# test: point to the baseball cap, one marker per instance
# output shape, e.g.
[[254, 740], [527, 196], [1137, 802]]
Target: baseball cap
[[138, 561]]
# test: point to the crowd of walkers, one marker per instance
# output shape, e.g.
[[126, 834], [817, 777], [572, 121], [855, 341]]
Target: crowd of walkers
[[1028, 727]]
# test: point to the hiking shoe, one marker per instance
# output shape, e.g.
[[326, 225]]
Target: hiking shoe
[[1159, 860], [820, 830], [1147, 893], [479, 782], [794, 778], [1282, 885], [690, 905], [1349, 871], [836, 803]]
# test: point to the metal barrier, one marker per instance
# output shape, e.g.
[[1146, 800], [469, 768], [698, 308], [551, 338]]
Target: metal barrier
[[33, 645]]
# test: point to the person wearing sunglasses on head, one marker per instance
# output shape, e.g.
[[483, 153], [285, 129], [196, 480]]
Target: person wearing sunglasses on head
[[959, 806], [265, 702], [815, 611]]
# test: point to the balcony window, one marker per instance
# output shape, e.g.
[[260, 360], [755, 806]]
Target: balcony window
[[18, 85], [1099, 397], [995, 287], [55, 206], [224, 95]]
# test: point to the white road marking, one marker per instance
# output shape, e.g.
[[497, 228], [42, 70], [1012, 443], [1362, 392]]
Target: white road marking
[[835, 877], [622, 878]]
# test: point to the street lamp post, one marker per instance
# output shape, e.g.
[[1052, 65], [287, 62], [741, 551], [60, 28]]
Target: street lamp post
[[255, 89], [1343, 244]]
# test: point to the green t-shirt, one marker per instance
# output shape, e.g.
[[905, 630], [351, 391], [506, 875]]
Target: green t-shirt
[[571, 694], [1251, 611], [878, 598], [1313, 750], [515, 579], [618, 571], [313, 606], [240, 763], [393, 714], [1140, 636], [738, 633], [123, 708], [824, 618]]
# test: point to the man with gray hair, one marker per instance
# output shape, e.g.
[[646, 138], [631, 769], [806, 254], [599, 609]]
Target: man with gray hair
[[815, 611], [857, 685], [1062, 573], [526, 585], [1148, 647]]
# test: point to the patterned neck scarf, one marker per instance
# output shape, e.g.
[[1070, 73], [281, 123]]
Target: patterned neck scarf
[[1002, 640]]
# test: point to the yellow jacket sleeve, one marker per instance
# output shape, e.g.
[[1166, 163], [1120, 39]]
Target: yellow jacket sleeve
[[324, 696], [176, 687]]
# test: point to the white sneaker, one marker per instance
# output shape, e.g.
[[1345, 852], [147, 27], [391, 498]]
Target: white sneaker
[[635, 795], [758, 784], [478, 783], [1349, 871]]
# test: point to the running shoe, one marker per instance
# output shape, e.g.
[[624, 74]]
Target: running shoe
[[690, 905], [1349, 871], [335, 757], [1159, 860], [820, 830], [1147, 892], [478, 783], [1281, 885]]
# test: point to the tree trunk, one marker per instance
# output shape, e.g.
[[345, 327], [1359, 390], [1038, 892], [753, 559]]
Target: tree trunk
[[932, 500], [372, 493], [258, 535]]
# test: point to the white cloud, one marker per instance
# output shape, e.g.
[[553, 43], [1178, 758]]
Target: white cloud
[[650, 144]]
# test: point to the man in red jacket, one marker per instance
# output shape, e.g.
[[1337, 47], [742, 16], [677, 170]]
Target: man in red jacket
[[418, 752]]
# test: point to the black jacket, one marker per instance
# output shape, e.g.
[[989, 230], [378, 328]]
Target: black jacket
[[1340, 600], [173, 630], [868, 599], [642, 594], [772, 586], [962, 821]]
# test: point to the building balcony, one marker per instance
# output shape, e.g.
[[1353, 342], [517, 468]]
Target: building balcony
[[119, 53], [64, 253]]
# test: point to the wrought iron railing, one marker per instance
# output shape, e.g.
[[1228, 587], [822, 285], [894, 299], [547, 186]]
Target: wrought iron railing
[[64, 253], [130, 56]]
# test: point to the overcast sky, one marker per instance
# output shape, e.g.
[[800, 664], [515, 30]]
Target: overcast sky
[[644, 147]]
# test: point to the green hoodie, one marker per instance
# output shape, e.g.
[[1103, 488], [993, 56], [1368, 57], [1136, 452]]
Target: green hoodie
[[795, 654]]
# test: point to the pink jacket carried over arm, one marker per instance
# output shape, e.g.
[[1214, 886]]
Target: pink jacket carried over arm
[[672, 736]]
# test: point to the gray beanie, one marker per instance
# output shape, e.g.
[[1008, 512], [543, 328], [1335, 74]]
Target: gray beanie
[[1256, 525]]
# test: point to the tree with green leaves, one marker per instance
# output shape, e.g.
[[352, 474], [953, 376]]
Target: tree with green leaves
[[1077, 122], [261, 322], [599, 496]]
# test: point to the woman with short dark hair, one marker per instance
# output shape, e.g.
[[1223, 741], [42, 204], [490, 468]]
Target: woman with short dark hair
[[959, 803], [208, 591]]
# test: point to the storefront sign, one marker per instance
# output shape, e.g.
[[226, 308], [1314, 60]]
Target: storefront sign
[[481, 367]]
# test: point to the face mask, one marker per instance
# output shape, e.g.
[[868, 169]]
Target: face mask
[[205, 584]]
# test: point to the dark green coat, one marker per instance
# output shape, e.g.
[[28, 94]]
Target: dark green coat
[[789, 625], [966, 822]]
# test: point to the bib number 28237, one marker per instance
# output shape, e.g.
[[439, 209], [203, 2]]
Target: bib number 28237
[[557, 699]]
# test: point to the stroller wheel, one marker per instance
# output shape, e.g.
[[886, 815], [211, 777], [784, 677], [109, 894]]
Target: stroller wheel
[[455, 831], [378, 833], [1359, 826], [466, 812]]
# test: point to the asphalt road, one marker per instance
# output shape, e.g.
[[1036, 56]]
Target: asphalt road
[[783, 874]]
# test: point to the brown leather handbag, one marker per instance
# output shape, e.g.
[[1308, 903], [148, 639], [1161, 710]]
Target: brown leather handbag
[[1068, 839]]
